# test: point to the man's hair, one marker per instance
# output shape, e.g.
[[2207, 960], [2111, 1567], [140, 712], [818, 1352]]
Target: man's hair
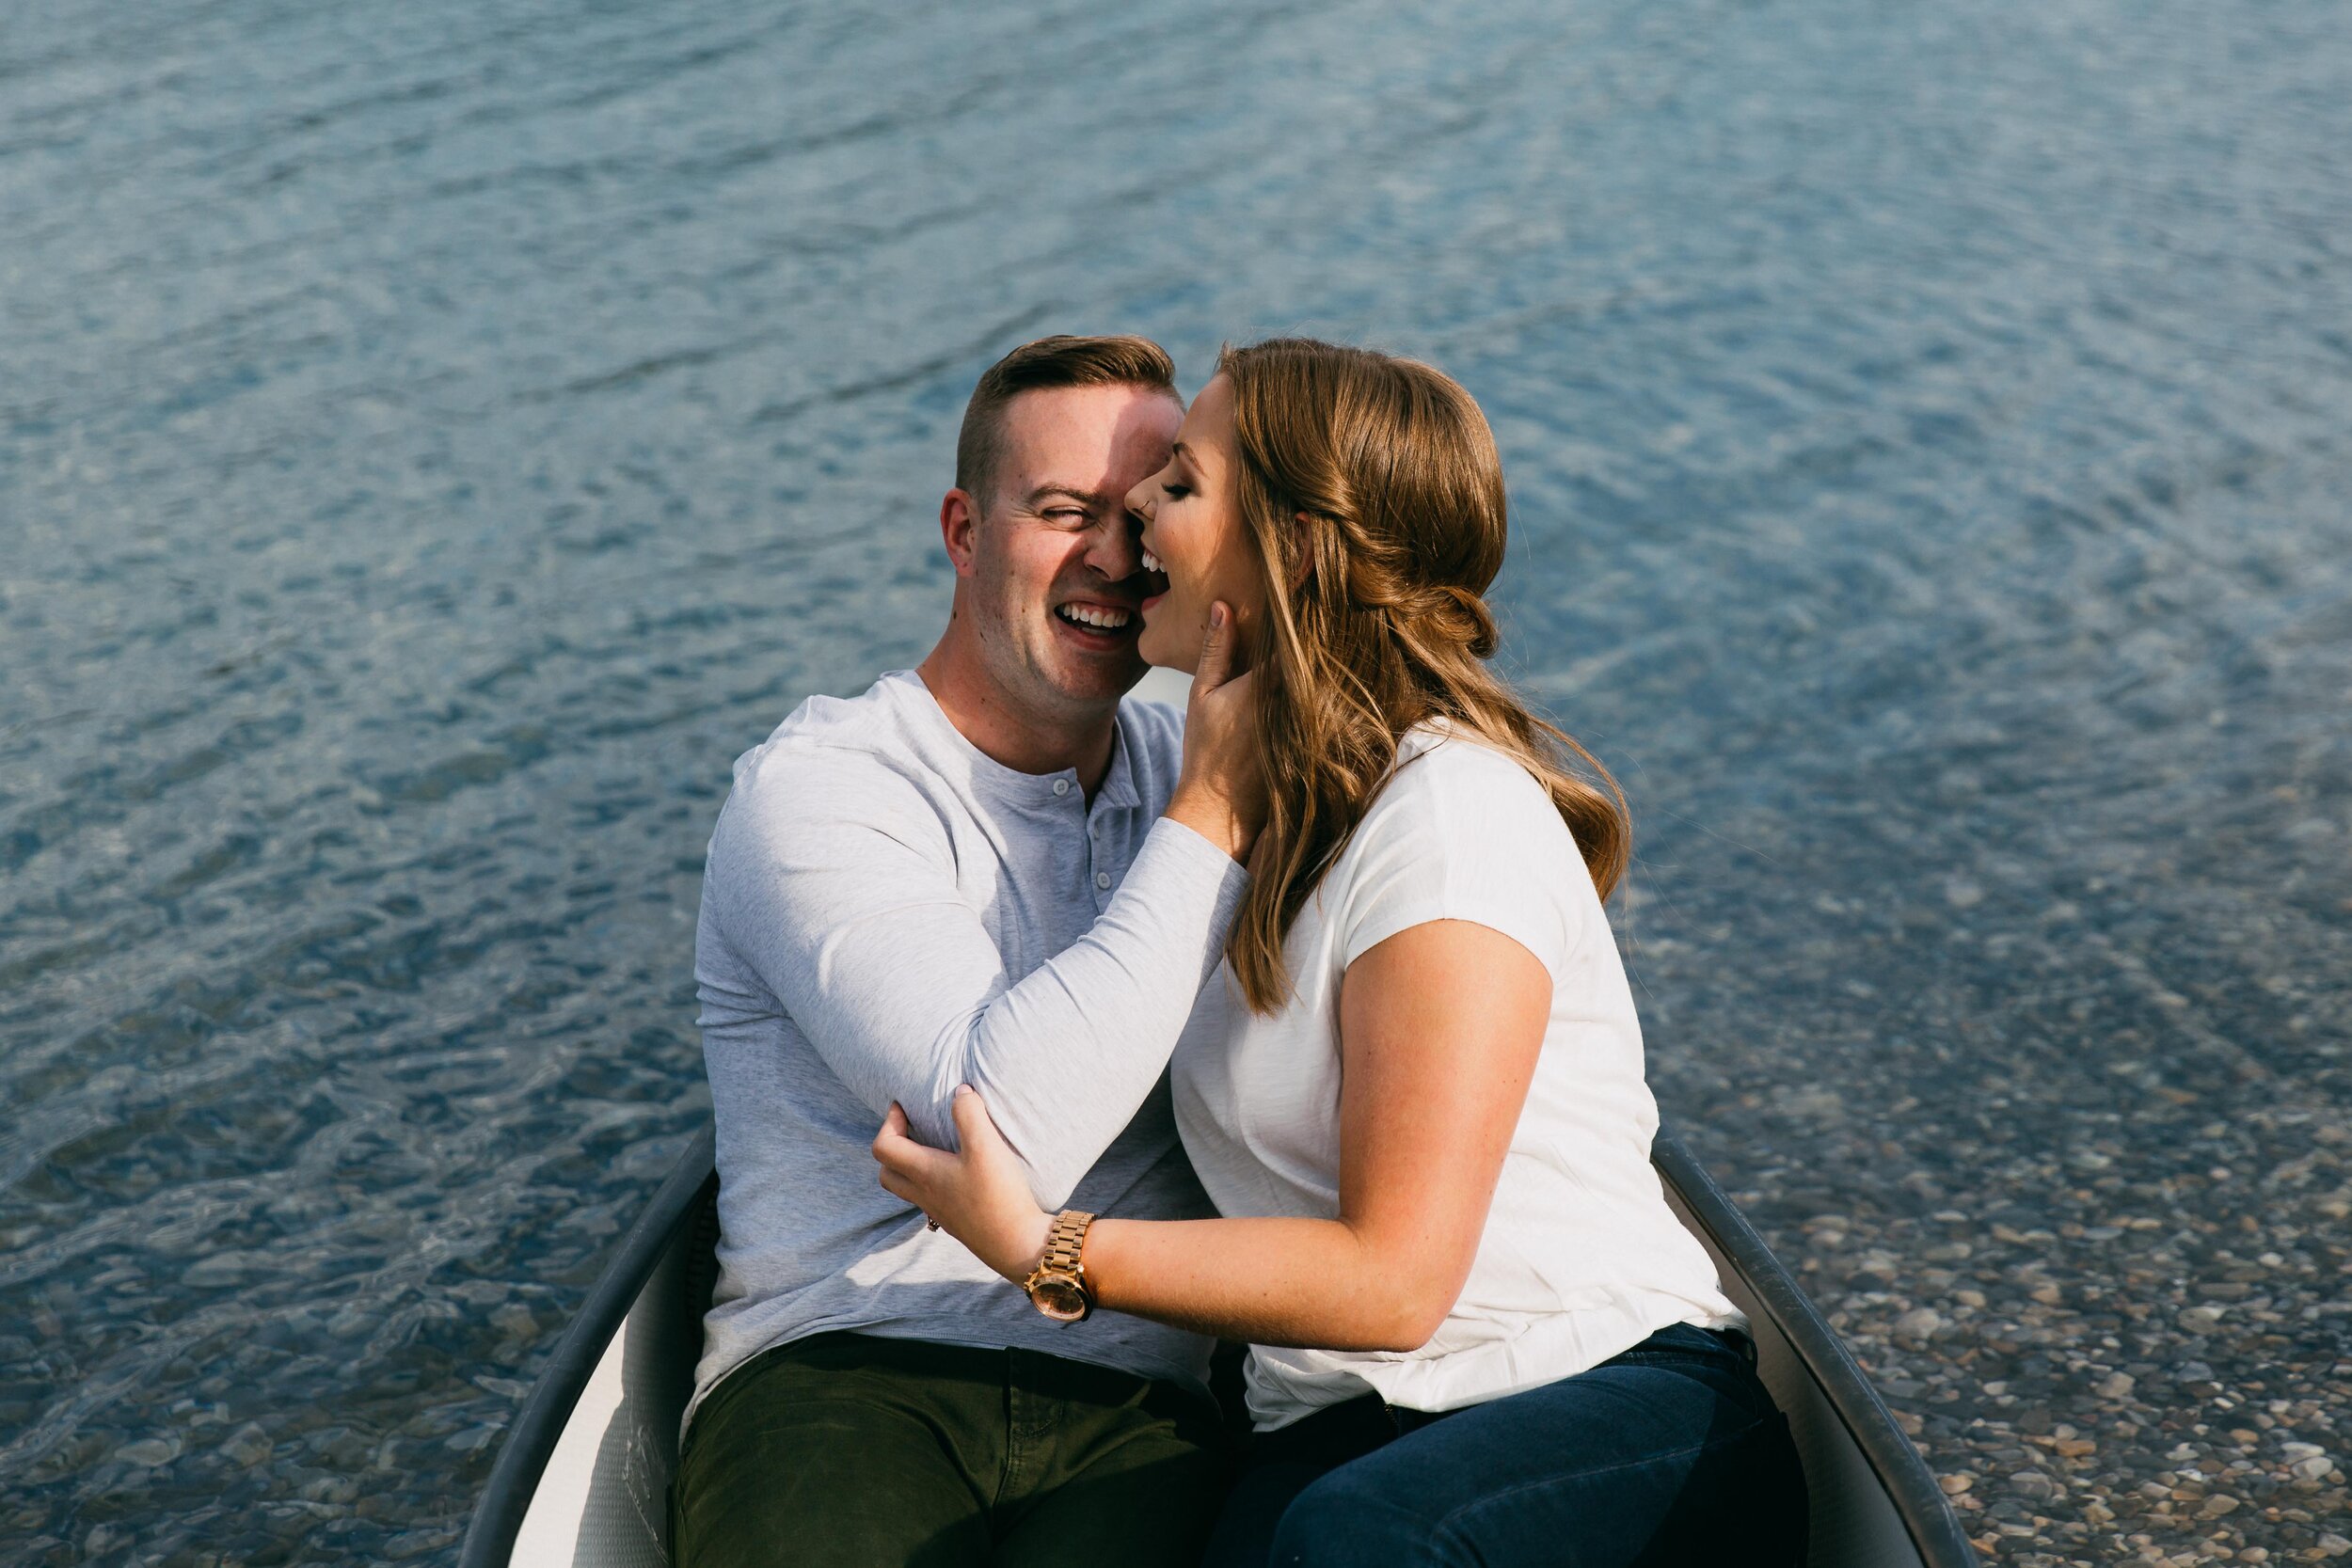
[[1058, 361]]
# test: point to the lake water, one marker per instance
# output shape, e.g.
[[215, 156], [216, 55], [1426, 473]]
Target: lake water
[[436, 438]]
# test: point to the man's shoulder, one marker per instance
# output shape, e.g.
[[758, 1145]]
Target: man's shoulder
[[830, 750], [870, 720]]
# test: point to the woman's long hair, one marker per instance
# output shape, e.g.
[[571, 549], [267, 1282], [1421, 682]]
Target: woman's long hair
[[1372, 492]]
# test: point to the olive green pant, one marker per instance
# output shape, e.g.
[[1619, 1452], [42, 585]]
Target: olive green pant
[[862, 1453]]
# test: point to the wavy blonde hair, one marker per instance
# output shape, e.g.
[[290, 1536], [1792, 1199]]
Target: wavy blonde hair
[[1371, 490]]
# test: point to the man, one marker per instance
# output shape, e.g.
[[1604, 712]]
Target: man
[[988, 871]]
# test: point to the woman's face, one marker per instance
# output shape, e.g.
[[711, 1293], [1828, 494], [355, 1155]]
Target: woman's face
[[1193, 532]]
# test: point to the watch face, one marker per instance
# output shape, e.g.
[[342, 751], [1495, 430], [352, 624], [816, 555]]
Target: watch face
[[1059, 1297]]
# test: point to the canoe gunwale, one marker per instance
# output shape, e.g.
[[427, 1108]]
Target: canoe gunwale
[[1926, 1514], [531, 1441]]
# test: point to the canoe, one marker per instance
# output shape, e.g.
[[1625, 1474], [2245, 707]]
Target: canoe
[[582, 1478]]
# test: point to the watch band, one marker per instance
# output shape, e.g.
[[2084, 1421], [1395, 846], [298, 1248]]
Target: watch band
[[1057, 1286], [1066, 1243]]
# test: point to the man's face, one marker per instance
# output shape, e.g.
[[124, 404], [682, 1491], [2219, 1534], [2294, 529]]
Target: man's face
[[1052, 576]]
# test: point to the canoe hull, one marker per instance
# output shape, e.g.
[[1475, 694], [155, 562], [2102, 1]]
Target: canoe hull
[[582, 1481]]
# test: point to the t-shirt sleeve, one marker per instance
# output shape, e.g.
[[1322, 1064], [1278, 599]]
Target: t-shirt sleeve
[[832, 881], [1463, 832]]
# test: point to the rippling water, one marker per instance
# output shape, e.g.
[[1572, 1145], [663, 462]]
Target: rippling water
[[436, 438]]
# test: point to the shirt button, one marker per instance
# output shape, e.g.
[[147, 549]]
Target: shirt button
[[1101, 878], [1061, 787]]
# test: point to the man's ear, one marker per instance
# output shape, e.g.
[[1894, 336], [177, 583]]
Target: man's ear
[[959, 528]]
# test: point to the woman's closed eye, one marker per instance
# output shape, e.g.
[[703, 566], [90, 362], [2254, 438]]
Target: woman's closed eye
[[1175, 492]]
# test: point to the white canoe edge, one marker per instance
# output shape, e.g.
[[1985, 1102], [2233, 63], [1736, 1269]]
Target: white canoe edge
[[583, 1476], [582, 1479], [603, 1498]]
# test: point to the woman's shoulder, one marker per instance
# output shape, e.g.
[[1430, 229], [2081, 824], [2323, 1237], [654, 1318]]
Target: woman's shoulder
[[1447, 777], [1461, 831]]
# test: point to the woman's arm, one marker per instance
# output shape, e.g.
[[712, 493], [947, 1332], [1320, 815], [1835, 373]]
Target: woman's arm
[[1439, 1028], [827, 877]]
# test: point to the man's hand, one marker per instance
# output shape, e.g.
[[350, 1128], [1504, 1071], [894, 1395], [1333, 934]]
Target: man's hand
[[979, 1196], [1221, 794]]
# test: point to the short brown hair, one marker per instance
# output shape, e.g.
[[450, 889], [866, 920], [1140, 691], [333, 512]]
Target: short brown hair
[[1061, 360]]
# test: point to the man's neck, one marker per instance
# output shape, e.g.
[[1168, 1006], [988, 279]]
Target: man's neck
[[1027, 742]]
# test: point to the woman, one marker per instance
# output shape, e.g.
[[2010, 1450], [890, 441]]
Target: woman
[[1415, 1087]]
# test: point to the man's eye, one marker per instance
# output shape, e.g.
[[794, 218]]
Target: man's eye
[[1066, 515]]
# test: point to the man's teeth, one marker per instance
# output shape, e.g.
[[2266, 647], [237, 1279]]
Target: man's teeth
[[1152, 563], [1101, 617]]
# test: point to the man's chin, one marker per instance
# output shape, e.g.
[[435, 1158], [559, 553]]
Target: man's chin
[[1114, 685], [1092, 666], [1096, 678]]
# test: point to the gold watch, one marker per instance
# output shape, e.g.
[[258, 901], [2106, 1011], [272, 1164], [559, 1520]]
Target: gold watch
[[1057, 1286]]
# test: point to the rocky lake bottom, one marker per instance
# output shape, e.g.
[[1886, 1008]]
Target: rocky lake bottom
[[437, 439]]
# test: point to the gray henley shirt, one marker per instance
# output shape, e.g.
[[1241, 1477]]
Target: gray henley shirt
[[886, 913]]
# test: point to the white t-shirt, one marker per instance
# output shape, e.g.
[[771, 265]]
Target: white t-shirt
[[1580, 1257]]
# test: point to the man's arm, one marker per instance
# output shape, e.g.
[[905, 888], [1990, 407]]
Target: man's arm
[[855, 922]]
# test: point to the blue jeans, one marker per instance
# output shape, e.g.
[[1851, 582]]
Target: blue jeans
[[1670, 1454]]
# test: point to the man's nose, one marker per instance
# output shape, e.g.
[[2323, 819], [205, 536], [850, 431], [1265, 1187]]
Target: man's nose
[[1118, 548]]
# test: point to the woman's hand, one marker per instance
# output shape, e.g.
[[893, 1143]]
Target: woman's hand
[[1221, 792], [979, 1197]]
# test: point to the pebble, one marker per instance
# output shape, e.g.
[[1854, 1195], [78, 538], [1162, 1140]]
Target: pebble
[[248, 1445], [1919, 1323], [2129, 1362]]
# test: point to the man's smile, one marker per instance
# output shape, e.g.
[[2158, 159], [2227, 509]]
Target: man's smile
[[1095, 616], [1109, 616]]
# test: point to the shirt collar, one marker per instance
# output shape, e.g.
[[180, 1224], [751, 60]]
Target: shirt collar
[[987, 773], [1119, 780]]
